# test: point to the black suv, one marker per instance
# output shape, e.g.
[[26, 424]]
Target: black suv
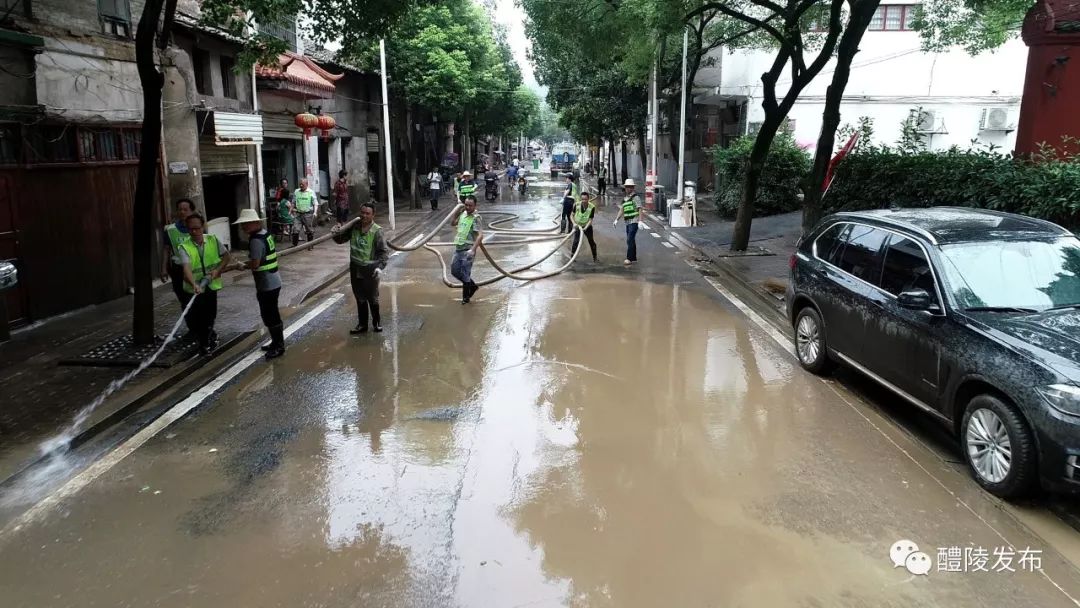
[[970, 315]]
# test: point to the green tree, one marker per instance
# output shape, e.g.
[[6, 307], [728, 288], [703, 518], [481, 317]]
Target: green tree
[[976, 25]]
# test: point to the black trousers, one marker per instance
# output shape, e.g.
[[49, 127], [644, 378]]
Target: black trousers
[[365, 288], [567, 222], [588, 235], [202, 316], [601, 186], [268, 307], [176, 277]]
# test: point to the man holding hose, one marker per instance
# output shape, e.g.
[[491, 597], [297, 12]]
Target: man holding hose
[[368, 256], [583, 214], [466, 240], [204, 259]]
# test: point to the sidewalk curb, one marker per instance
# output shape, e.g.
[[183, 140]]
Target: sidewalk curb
[[763, 302]]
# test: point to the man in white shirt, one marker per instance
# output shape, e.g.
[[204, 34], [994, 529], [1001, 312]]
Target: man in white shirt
[[434, 187]]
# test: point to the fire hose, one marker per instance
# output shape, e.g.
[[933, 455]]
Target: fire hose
[[514, 273]]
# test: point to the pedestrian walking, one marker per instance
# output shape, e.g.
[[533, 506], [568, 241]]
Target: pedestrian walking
[[571, 195], [466, 240], [204, 259], [434, 187], [601, 181], [630, 211], [341, 197], [263, 263], [304, 203], [368, 255], [584, 211], [286, 219], [281, 194], [172, 267]]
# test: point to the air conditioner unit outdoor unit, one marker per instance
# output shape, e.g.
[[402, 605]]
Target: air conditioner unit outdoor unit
[[996, 119], [926, 122]]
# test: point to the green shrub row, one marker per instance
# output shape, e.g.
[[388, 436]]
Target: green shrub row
[[879, 176]]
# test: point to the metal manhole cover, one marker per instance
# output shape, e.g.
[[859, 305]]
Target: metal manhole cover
[[123, 352]]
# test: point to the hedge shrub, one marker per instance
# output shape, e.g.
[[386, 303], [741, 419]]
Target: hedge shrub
[[778, 190], [877, 177]]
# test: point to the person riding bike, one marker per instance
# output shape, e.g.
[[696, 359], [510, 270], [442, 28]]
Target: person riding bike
[[491, 183]]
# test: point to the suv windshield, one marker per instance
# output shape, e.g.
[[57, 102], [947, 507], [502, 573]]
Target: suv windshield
[[1014, 274]]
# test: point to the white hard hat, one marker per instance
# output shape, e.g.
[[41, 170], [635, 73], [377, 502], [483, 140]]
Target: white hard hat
[[248, 215], [628, 182]]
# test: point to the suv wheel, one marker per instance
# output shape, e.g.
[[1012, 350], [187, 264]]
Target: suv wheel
[[810, 345], [999, 447]]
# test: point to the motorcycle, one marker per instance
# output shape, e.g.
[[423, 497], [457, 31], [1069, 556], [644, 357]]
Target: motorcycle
[[491, 188]]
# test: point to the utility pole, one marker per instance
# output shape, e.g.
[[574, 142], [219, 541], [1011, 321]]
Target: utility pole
[[653, 120], [387, 148], [682, 121]]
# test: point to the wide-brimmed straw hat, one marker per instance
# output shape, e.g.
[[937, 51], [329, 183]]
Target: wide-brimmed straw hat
[[248, 215], [628, 182]]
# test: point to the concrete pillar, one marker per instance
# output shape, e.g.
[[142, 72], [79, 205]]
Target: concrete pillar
[[181, 137], [311, 162], [1052, 84], [336, 161]]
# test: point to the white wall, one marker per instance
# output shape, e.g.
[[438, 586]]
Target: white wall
[[78, 83], [890, 76]]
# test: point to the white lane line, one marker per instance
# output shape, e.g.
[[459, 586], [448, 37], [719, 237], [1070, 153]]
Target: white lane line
[[99, 468], [644, 225], [787, 346], [656, 234], [410, 243], [762, 324], [668, 245]]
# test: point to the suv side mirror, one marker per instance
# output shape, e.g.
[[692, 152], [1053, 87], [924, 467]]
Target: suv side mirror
[[916, 299]]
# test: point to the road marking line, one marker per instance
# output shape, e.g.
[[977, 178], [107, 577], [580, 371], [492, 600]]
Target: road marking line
[[762, 324], [668, 245], [410, 243], [786, 345], [644, 225], [656, 234], [176, 412]]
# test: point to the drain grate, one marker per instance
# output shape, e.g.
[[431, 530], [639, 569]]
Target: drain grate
[[123, 352]]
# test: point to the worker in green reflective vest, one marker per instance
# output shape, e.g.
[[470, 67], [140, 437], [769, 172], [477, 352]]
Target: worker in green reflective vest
[[172, 269], [204, 260], [630, 212], [466, 187], [368, 255], [571, 196], [467, 237], [584, 211], [304, 203], [263, 263]]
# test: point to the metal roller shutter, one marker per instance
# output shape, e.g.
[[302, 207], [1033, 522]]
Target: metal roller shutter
[[372, 141], [281, 126], [222, 160]]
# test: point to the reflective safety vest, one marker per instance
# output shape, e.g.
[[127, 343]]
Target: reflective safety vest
[[176, 238], [269, 262], [466, 189], [304, 200], [203, 265], [575, 192], [629, 208], [464, 229], [603, 172], [362, 245], [582, 216]]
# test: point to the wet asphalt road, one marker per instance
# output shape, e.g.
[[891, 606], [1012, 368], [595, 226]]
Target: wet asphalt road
[[608, 437]]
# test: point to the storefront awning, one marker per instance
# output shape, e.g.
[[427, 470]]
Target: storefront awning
[[296, 76], [230, 128]]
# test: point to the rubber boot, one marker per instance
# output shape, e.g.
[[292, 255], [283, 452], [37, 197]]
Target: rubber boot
[[376, 318], [361, 325], [295, 239], [277, 342]]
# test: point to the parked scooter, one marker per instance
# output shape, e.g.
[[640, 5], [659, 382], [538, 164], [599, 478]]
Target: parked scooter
[[523, 184]]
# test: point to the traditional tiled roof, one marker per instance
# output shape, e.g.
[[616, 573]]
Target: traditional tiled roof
[[300, 70]]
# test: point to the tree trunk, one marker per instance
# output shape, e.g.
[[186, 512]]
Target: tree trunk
[[414, 196], [740, 238], [861, 13], [612, 169], [466, 144], [622, 146], [641, 151], [142, 224]]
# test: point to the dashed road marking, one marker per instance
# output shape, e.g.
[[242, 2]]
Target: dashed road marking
[[668, 245], [410, 243], [657, 235], [176, 412]]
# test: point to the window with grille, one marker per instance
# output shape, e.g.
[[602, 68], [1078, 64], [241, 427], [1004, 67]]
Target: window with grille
[[53, 144], [228, 77], [115, 17], [894, 18]]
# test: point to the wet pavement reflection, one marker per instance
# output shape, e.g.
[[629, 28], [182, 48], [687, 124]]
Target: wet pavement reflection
[[610, 437]]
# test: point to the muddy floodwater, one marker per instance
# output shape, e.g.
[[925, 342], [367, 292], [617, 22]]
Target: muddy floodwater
[[609, 437]]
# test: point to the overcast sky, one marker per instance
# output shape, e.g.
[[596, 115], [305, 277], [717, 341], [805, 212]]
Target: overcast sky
[[513, 18]]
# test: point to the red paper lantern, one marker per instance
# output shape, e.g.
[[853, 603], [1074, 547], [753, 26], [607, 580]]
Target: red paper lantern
[[307, 122], [325, 124]]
